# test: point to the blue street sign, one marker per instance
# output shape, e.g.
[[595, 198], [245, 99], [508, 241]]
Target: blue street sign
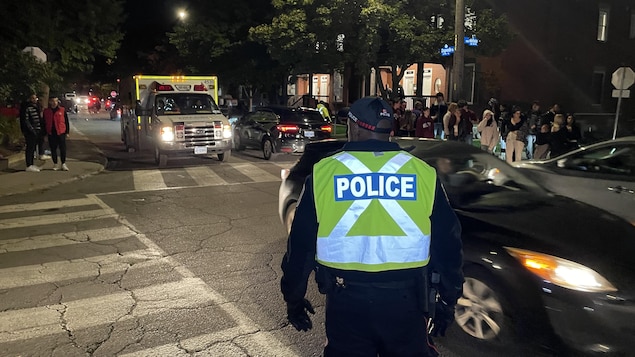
[[447, 51], [472, 41]]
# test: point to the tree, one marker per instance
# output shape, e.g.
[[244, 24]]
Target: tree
[[71, 35], [313, 35], [220, 45]]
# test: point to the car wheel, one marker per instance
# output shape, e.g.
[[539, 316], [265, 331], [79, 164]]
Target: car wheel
[[267, 149], [288, 219], [238, 141], [160, 158], [224, 155], [487, 322]]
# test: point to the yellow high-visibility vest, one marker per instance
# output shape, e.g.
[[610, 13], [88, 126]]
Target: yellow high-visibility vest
[[373, 210]]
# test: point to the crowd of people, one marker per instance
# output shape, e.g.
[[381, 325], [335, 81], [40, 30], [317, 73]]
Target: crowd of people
[[532, 135]]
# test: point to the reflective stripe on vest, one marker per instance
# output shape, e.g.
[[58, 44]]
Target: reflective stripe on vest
[[375, 252]]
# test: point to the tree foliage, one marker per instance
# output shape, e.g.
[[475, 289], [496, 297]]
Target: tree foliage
[[314, 35], [211, 41], [72, 34]]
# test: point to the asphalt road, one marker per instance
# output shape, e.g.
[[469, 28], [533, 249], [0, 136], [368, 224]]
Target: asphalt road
[[140, 261]]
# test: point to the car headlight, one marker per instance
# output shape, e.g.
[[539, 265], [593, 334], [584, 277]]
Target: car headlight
[[227, 131], [167, 134], [561, 272]]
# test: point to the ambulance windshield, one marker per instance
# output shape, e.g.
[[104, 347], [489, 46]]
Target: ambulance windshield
[[185, 103]]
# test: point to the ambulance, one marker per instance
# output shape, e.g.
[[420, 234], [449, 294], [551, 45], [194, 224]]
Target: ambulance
[[174, 116]]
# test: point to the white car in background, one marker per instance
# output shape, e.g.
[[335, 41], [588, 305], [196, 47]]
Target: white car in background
[[602, 175]]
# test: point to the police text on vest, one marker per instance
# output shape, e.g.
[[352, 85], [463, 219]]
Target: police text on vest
[[375, 186]]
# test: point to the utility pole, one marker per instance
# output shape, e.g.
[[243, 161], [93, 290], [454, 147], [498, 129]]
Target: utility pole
[[459, 51]]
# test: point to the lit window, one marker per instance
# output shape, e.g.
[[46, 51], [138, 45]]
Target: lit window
[[603, 23]]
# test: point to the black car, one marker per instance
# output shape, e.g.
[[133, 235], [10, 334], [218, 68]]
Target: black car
[[544, 274], [275, 129]]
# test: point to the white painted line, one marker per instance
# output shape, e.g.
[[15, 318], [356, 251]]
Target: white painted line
[[105, 309], [45, 205], [255, 173], [28, 275], [147, 180], [32, 221], [62, 239], [205, 176]]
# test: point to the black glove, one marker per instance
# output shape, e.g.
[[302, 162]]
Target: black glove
[[443, 318], [297, 315]]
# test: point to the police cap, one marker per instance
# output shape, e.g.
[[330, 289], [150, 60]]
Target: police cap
[[368, 112]]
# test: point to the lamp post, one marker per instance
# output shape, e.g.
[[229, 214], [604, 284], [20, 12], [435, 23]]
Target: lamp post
[[182, 14], [459, 51]]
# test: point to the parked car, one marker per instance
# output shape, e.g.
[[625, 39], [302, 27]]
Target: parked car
[[275, 129], [602, 174], [544, 274]]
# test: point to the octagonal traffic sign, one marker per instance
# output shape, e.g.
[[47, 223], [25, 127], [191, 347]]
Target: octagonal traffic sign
[[623, 78]]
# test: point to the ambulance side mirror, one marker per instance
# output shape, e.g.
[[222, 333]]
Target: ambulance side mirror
[[139, 110]]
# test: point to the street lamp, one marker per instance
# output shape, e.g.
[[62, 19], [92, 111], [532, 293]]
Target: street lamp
[[182, 15]]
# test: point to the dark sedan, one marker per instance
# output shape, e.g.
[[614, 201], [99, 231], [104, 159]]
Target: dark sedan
[[602, 174], [544, 274], [275, 129]]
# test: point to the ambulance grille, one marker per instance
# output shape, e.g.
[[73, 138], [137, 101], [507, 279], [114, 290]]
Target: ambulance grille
[[203, 135]]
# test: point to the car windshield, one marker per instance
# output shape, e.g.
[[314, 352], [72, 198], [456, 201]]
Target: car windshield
[[185, 103], [304, 117], [480, 180]]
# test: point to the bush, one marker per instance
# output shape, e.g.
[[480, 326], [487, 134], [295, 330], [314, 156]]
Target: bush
[[10, 133]]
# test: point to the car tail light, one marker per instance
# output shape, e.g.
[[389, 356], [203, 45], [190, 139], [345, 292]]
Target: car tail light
[[200, 87], [288, 129], [327, 128], [284, 173]]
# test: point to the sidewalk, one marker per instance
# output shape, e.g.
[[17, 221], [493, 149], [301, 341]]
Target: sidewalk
[[84, 159]]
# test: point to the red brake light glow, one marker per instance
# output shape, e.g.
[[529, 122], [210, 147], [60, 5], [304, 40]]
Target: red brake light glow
[[286, 128], [326, 128], [200, 87]]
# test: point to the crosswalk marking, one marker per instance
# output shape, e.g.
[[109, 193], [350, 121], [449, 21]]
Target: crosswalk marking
[[56, 218], [146, 180], [204, 176], [255, 173], [87, 310], [61, 239], [28, 275], [46, 205]]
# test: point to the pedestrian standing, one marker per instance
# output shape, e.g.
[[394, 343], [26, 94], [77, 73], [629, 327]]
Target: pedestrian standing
[[373, 250], [489, 131], [437, 112], [57, 128], [516, 138], [32, 129], [424, 128]]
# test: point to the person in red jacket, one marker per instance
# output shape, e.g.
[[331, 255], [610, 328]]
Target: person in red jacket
[[57, 128]]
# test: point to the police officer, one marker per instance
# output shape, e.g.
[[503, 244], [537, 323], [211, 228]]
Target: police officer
[[373, 221]]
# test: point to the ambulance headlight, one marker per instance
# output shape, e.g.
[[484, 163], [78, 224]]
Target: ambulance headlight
[[227, 131], [167, 133]]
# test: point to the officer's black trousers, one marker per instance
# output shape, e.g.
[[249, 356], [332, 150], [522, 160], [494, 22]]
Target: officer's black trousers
[[371, 322]]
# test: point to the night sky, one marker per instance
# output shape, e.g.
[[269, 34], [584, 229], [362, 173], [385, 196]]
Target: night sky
[[145, 26]]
